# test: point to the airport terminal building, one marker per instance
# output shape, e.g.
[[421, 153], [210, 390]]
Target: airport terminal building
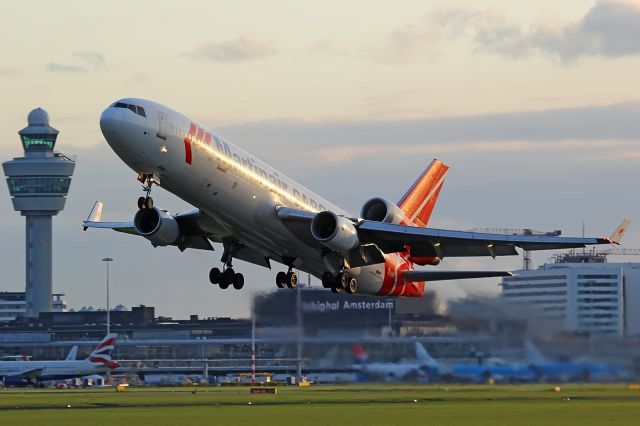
[[580, 293]]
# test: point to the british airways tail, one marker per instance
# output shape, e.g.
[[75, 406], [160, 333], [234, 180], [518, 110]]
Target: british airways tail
[[418, 203], [360, 355], [102, 352]]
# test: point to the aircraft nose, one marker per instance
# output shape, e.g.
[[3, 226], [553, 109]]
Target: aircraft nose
[[107, 121]]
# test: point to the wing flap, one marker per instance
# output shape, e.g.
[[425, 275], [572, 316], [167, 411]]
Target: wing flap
[[416, 276]]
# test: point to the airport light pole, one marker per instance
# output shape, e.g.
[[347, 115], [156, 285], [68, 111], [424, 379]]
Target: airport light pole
[[108, 260]]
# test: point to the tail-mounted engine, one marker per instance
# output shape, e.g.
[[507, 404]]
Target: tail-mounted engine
[[335, 232], [381, 210], [158, 226]]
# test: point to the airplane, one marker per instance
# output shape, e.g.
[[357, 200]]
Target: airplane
[[260, 215], [393, 371], [570, 370], [33, 372]]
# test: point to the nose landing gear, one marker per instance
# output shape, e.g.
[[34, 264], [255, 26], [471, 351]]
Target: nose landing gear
[[147, 180]]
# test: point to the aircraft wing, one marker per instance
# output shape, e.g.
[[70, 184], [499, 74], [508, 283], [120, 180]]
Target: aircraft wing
[[431, 242], [194, 227], [34, 373]]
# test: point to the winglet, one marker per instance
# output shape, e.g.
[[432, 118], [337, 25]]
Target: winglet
[[617, 235], [95, 214]]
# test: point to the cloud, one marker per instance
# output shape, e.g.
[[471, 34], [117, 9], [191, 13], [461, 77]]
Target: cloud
[[89, 61], [65, 68], [610, 28], [244, 48], [93, 59], [507, 131], [9, 72]]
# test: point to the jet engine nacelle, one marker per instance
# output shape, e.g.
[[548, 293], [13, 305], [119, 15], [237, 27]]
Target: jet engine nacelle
[[334, 231], [158, 226], [381, 210]]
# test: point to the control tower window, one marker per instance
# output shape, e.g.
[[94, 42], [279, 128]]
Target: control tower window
[[39, 185], [38, 142]]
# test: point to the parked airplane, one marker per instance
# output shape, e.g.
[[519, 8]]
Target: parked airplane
[[392, 371], [33, 372], [571, 370], [259, 214]]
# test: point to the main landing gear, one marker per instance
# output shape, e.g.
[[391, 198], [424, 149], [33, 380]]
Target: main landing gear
[[227, 277], [287, 279], [146, 202], [340, 281]]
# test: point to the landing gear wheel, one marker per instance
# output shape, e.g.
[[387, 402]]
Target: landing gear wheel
[[224, 284], [281, 279], [140, 203], [339, 283], [214, 275], [352, 285], [335, 290], [327, 279], [148, 203], [238, 281], [292, 280]]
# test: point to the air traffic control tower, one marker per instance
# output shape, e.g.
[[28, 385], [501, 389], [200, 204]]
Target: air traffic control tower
[[38, 184]]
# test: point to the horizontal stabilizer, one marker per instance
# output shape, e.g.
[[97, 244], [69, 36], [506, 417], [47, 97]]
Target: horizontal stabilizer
[[416, 276]]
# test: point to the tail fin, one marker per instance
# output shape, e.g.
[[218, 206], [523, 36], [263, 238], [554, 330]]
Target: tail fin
[[102, 352], [360, 354], [423, 356], [418, 203], [532, 353], [619, 232], [73, 353]]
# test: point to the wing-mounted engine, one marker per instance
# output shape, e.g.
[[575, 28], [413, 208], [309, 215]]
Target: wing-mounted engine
[[158, 226], [335, 232], [381, 210]]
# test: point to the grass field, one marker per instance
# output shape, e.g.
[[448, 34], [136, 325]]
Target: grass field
[[327, 405]]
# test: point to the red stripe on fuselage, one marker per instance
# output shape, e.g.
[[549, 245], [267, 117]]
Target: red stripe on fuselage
[[187, 143]]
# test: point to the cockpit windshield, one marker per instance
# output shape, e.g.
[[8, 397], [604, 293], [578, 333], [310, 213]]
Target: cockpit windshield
[[135, 108]]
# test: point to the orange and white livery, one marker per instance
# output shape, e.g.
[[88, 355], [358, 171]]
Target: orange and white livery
[[260, 215]]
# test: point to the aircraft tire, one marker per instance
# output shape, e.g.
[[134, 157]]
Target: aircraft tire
[[292, 280], [214, 276], [327, 279], [148, 203], [238, 281], [140, 203], [352, 285], [281, 279]]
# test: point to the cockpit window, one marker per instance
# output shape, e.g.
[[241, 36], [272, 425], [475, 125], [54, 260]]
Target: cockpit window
[[135, 108]]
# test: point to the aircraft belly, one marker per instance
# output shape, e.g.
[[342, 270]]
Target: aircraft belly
[[246, 211]]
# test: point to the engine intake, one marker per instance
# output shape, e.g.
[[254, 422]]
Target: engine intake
[[334, 231], [158, 226], [381, 210]]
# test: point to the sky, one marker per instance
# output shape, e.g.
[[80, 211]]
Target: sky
[[533, 104]]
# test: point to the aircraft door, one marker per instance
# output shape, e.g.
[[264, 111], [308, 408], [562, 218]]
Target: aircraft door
[[162, 126]]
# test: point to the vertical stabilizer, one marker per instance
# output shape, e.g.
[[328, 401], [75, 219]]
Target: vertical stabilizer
[[418, 203], [423, 356], [102, 352]]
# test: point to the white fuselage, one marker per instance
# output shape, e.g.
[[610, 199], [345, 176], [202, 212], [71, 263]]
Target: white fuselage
[[51, 370], [240, 192]]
